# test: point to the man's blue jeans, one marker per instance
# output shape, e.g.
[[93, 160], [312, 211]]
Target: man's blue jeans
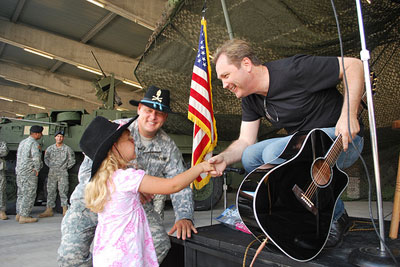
[[268, 151]]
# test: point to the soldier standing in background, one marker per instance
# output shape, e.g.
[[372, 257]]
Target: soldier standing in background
[[3, 181], [29, 163], [59, 158]]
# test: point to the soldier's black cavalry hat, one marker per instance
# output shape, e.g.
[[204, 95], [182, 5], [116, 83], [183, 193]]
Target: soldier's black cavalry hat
[[155, 98]]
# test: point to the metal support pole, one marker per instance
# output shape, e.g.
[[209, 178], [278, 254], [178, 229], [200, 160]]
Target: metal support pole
[[230, 33], [372, 256], [365, 56], [225, 189], [227, 21]]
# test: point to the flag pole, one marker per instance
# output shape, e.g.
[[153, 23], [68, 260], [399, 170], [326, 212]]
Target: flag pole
[[200, 108], [203, 17]]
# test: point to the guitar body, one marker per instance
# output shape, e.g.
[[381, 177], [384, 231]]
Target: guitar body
[[268, 204]]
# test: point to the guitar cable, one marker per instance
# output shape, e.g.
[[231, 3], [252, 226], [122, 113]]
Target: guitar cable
[[262, 245], [348, 124]]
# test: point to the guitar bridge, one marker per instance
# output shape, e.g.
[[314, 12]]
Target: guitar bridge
[[303, 199]]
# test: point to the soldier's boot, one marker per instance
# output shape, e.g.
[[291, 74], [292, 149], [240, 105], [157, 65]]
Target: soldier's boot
[[3, 215], [17, 217], [65, 208], [23, 219], [47, 213]]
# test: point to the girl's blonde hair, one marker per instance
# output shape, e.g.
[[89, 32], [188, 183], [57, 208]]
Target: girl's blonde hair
[[97, 192]]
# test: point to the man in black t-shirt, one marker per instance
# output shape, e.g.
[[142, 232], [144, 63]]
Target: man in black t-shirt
[[298, 94]]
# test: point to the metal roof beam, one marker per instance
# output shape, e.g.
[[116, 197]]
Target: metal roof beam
[[9, 108], [60, 84], [98, 27], [56, 66], [18, 10], [43, 98], [107, 19], [144, 12], [67, 50], [2, 46]]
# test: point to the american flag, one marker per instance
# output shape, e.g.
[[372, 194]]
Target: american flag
[[201, 109]]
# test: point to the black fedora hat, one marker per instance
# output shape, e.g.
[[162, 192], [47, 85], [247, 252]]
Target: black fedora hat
[[99, 137], [155, 98]]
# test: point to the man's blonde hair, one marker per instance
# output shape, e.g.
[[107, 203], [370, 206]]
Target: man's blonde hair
[[236, 50], [97, 192]]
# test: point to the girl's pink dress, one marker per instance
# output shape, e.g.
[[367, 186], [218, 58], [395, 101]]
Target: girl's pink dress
[[123, 235]]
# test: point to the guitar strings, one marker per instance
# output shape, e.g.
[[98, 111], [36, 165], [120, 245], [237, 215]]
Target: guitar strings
[[325, 167]]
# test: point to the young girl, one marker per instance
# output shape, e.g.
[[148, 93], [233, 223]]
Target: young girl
[[123, 236]]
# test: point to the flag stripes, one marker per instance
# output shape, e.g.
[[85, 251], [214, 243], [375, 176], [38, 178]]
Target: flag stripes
[[200, 110]]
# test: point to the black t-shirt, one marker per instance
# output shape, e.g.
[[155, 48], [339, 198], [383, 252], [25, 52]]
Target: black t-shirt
[[302, 94]]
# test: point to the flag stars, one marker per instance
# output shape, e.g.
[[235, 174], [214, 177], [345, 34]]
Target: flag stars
[[201, 59]]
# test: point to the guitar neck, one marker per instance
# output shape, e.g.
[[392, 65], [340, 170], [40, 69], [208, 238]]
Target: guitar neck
[[337, 146], [334, 152]]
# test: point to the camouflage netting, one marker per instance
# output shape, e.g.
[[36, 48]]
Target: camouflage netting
[[276, 29]]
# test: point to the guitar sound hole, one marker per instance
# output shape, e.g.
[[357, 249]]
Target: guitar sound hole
[[321, 172]]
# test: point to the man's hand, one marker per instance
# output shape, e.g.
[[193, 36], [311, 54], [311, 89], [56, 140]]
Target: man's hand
[[183, 229], [144, 198], [219, 163], [351, 98], [343, 128]]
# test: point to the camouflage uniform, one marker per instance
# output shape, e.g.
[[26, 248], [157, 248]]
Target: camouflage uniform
[[163, 159], [159, 204], [3, 181], [78, 225], [59, 160], [29, 160]]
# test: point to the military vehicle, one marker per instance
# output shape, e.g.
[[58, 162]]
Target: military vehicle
[[73, 123]]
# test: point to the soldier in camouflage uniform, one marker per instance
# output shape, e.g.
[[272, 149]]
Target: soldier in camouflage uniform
[[29, 163], [3, 181], [59, 158], [159, 156]]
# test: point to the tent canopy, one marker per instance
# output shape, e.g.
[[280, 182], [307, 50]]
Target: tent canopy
[[276, 29]]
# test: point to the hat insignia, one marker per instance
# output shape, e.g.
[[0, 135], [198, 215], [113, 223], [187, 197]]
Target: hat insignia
[[157, 96]]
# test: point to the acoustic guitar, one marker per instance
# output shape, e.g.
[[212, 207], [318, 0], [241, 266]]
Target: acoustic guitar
[[293, 203]]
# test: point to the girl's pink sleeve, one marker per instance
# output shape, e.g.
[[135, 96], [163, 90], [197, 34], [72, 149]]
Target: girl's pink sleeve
[[128, 180]]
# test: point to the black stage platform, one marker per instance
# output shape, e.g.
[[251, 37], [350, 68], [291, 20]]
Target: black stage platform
[[218, 245]]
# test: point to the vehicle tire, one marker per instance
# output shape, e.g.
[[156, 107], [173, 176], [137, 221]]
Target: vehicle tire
[[209, 195]]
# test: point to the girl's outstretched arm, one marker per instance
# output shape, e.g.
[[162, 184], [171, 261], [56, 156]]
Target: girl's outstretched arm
[[156, 185]]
